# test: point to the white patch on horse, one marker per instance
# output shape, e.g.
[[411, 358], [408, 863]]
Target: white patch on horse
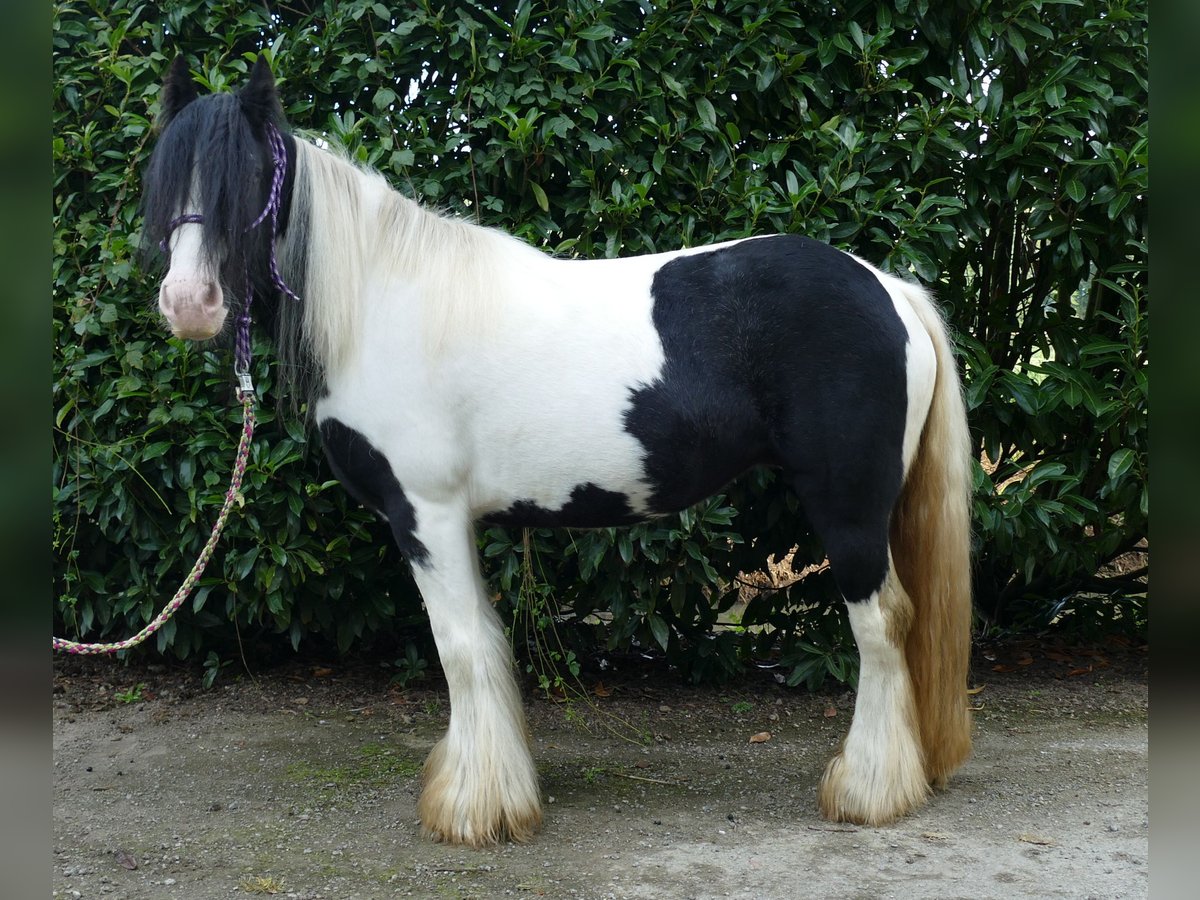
[[583, 328], [921, 361], [190, 296]]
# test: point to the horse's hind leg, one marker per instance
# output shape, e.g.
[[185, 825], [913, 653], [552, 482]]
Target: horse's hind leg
[[479, 785], [878, 774]]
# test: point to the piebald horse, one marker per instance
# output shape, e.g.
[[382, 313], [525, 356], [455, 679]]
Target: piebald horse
[[459, 375]]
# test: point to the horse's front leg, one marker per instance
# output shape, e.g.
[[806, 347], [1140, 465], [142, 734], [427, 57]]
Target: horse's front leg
[[479, 786]]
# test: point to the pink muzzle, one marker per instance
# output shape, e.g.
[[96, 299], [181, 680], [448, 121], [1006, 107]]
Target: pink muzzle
[[194, 308]]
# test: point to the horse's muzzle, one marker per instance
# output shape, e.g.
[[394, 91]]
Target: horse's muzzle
[[195, 310]]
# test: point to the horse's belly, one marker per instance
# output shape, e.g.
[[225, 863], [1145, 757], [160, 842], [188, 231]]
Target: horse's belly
[[601, 478], [586, 475], [588, 506]]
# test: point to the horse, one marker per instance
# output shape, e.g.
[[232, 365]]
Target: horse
[[457, 374]]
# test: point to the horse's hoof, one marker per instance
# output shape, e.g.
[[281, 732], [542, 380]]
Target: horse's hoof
[[870, 798], [485, 809], [477, 834]]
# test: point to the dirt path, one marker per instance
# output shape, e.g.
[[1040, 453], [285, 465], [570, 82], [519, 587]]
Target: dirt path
[[306, 784]]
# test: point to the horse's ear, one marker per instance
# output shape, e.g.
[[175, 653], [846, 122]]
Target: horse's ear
[[179, 89], [259, 99]]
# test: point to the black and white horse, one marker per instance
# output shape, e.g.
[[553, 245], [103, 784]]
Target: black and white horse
[[460, 375]]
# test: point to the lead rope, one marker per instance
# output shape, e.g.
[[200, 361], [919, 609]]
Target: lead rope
[[245, 392], [231, 496]]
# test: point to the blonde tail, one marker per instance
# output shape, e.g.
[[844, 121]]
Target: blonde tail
[[931, 549]]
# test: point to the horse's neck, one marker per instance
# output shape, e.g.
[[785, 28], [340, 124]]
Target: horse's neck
[[367, 244]]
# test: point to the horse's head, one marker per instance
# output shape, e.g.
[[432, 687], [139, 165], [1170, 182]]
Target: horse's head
[[206, 190]]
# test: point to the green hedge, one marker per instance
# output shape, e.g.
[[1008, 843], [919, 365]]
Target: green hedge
[[996, 150]]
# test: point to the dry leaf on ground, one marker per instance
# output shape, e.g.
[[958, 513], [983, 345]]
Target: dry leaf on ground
[[1036, 839]]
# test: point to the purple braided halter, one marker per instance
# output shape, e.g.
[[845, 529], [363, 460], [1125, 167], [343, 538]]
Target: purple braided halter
[[279, 166], [245, 391]]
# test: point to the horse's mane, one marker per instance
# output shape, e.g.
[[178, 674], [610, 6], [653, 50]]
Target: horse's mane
[[350, 232]]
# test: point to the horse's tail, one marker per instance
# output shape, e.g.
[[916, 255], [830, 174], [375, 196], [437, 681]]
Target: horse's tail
[[931, 548]]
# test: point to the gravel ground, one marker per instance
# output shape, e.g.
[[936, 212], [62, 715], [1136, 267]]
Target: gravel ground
[[303, 784]]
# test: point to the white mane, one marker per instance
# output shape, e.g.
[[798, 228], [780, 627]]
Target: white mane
[[350, 233]]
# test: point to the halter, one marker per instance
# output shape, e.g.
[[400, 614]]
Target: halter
[[245, 391]]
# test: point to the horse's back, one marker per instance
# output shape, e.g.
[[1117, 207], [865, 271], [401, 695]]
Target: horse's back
[[658, 379]]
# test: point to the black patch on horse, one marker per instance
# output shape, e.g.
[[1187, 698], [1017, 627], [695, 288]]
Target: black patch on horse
[[368, 476], [781, 351], [590, 506]]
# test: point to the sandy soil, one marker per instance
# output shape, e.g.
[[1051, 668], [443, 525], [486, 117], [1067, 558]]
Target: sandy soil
[[303, 784]]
